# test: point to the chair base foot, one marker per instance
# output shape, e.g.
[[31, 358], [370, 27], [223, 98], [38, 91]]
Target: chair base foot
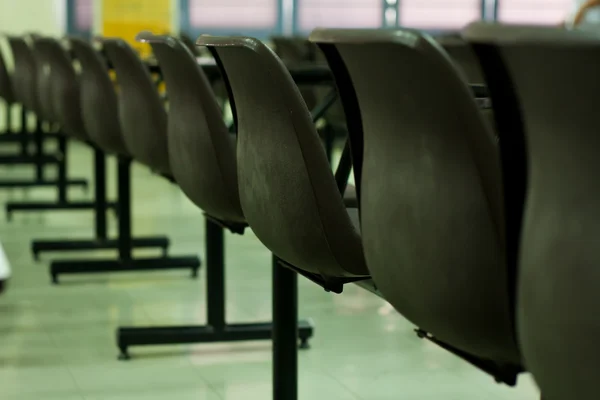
[[17, 183], [40, 246], [53, 206], [127, 337], [23, 159], [142, 264]]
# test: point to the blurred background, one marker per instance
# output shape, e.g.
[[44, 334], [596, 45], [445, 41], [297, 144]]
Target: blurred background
[[262, 18]]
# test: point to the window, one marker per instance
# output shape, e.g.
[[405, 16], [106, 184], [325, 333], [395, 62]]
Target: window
[[312, 14], [80, 16], [439, 14], [230, 16], [544, 12]]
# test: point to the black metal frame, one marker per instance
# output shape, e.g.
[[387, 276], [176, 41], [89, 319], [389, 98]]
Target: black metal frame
[[62, 182], [39, 159], [101, 240], [285, 332], [217, 329], [125, 243]]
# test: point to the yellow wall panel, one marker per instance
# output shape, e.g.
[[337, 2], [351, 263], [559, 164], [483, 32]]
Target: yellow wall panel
[[126, 18]]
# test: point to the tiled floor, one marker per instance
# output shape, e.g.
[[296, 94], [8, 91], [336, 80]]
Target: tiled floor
[[58, 342]]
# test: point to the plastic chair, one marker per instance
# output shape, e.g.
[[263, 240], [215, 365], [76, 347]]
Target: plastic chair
[[287, 190], [99, 103], [201, 150], [551, 73], [297, 50], [430, 188], [25, 73], [6, 86], [142, 113], [58, 87], [461, 53]]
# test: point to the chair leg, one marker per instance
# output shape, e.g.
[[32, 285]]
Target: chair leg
[[100, 241], [285, 333], [23, 133], [216, 329], [125, 261], [62, 183], [39, 152], [39, 160]]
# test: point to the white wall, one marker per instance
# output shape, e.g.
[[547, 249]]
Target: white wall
[[48, 17], [17, 17]]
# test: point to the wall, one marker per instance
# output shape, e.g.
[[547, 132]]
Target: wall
[[42, 16], [17, 17]]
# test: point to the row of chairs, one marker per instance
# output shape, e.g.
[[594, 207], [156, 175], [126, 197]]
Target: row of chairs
[[72, 87], [319, 239], [441, 195], [39, 134], [436, 229]]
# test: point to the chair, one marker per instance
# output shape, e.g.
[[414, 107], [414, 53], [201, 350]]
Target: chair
[[289, 198], [430, 192], [203, 163], [461, 53], [299, 51], [58, 88], [201, 150], [288, 193], [189, 43], [142, 113], [6, 89], [25, 73], [97, 110], [99, 104], [551, 73]]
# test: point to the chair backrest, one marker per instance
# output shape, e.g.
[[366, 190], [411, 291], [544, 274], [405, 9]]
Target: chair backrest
[[58, 85], [45, 110], [201, 150], [99, 106], [25, 73], [297, 50], [464, 57], [189, 43], [430, 187], [553, 75], [507, 120], [142, 113], [287, 190], [6, 85], [294, 49]]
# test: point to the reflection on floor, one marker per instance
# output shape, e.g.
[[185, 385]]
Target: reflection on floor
[[57, 342]]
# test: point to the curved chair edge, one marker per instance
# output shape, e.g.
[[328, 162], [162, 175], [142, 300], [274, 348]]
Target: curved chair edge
[[228, 41], [408, 37], [149, 37]]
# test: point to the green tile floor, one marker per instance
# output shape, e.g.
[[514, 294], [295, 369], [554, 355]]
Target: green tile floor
[[57, 342]]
